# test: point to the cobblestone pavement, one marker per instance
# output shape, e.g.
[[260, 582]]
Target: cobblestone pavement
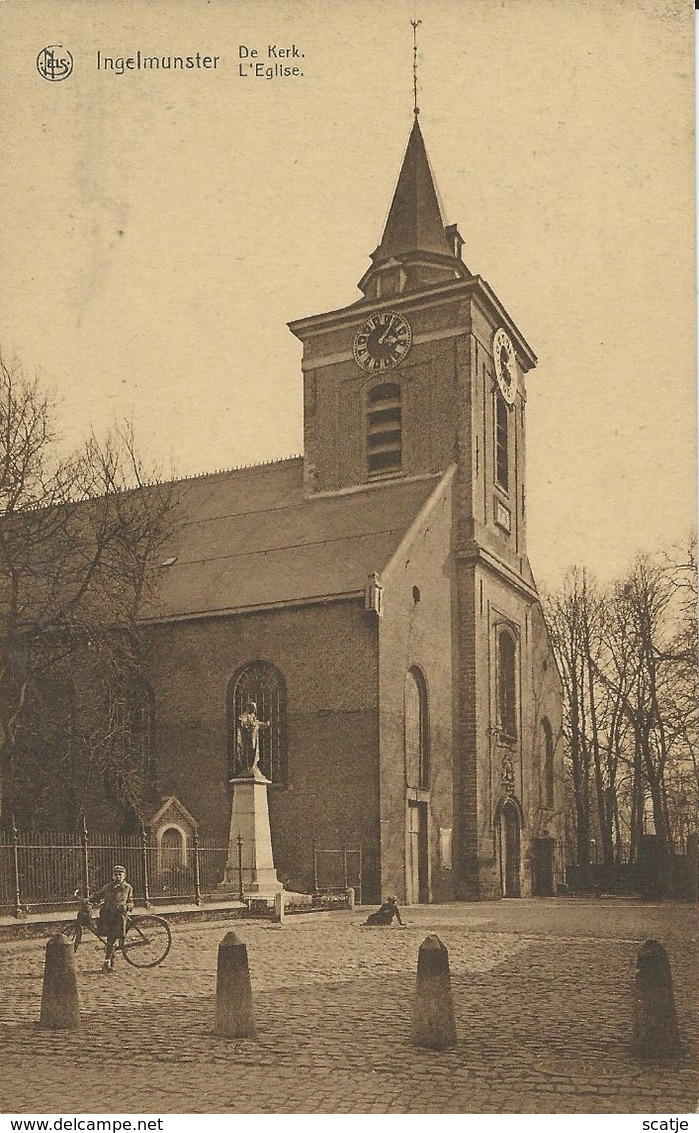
[[543, 994]]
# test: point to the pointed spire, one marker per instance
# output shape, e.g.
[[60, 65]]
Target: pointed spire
[[414, 220], [416, 250]]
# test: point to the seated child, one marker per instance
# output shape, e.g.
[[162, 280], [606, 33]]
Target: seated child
[[385, 914], [116, 899]]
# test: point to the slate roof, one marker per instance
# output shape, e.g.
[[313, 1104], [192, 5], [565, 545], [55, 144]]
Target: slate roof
[[414, 221], [251, 538]]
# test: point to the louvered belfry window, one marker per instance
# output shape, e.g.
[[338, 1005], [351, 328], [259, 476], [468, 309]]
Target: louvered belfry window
[[384, 442]]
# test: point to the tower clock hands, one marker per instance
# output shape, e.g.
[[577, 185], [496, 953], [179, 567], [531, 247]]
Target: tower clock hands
[[385, 333], [382, 341]]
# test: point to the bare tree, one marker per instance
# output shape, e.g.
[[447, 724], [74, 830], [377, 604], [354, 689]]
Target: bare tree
[[80, 536], [628, 660], [656, 602], [681, 656], [571, 616]]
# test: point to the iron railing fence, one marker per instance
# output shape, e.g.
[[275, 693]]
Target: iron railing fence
[[670, 875], [335, 871], [212, 863], [197, 870], [42, 871]]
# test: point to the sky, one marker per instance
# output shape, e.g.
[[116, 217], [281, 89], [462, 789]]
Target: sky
[[159, 230]]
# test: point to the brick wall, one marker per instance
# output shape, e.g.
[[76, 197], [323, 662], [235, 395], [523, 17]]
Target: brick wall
[[416, 630], [327, 655], [335, 397]]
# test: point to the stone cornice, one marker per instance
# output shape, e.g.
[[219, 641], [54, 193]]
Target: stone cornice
[[437, 295], [476, 554]]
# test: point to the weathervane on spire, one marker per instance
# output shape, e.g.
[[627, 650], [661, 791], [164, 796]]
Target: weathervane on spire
[[415, 25]]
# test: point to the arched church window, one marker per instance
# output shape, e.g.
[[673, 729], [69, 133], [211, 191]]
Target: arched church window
[[548, 761], [140, 713], [417, 770], [507, 683], [502, 442], [57, 700], [47, 724], [131, 725], [384, 440], [257, 721], [48, 783]]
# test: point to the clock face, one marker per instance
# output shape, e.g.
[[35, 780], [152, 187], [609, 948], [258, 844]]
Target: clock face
[[505, 365], [382, 341]]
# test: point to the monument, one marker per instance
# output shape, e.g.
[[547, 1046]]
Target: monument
[[250, 863]]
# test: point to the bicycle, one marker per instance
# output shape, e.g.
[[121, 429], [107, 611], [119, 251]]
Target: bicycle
[[145, 943]]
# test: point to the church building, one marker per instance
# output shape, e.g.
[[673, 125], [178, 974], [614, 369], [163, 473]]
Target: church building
[[374, 597]]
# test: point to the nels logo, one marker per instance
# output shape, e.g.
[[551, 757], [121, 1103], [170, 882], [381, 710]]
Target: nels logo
[[54, 63]]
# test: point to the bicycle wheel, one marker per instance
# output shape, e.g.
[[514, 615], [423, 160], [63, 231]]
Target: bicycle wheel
[[147, 941], [74, 932]]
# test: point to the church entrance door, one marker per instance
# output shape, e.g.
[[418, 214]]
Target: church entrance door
[[543, 868], [417, 889], [509, 851]]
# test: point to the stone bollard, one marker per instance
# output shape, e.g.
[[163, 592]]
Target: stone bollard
[[235, 1018], [279, 908], [60, 1002], [433, 1008], [350, 898], [655, 1031]]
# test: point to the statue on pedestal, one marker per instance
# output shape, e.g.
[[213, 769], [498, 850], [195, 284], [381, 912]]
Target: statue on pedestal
[[248, 737], [250, 863]]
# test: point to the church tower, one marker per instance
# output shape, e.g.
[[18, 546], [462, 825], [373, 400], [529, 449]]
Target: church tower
[[423, 375], [427, 368]]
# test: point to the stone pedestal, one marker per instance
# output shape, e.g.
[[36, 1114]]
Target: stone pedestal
[[250, 823]]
